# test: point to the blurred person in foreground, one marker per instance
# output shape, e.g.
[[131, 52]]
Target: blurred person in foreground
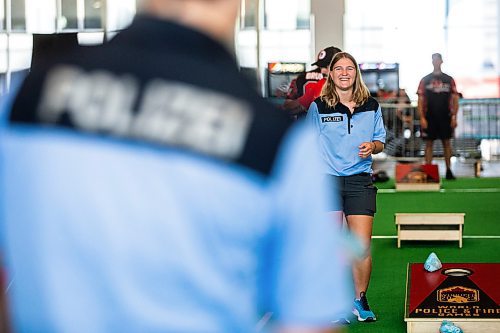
[[140, 197], [350, 130], [307, 86], [438, 108]]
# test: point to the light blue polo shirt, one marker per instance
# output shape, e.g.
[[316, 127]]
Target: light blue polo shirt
[[106, 236], [145, 199], [341, 133]]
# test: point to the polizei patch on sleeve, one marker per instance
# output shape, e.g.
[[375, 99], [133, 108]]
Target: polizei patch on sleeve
[[331, 119]]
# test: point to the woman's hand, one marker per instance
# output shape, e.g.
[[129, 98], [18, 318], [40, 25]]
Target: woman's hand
[[366, 149]]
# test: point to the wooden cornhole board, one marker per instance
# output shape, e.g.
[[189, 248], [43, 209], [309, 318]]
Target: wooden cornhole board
[[417, 177], [430, 226], [465, 294]]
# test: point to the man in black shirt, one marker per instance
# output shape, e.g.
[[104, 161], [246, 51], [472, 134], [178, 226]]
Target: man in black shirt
[[438, 107]]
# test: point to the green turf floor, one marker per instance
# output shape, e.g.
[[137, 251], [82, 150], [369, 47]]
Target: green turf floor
[[387, 287], [478, 198]]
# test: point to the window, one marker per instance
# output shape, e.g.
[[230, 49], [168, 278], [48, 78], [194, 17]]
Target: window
[[26, 17], [18, 10], [69, 14], [286, 15], [93, 14], [409, 32], [303, 14], [249, 14], [2, 15]]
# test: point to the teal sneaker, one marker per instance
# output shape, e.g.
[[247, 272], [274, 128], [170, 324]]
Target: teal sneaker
[[362, 310]]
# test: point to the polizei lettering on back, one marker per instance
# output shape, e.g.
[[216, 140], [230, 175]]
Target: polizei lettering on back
[[169, 112]]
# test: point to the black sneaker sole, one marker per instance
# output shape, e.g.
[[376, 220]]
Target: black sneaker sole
[[368, 320]]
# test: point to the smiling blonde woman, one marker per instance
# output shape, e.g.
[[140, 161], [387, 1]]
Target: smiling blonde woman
[[350, 130]]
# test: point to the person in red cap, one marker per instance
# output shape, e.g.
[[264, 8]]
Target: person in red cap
[[307, 86]]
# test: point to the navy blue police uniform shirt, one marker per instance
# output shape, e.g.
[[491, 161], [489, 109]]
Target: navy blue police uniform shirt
[[160, 193]]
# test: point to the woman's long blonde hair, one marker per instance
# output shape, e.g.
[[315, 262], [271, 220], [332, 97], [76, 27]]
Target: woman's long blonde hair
[[360, 92]]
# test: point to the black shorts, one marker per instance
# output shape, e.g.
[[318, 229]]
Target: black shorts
[[354, 195], [438, 128]]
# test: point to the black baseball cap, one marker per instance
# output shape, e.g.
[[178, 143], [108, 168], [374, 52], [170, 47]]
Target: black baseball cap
[[325, 56]]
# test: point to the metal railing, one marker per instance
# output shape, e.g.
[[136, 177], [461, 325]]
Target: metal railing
[[477, 120], [402, 124]]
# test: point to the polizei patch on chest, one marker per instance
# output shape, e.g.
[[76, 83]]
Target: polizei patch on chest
[[331, 119]]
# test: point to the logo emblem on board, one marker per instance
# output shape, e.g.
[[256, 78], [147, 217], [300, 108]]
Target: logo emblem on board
[[458, 294]]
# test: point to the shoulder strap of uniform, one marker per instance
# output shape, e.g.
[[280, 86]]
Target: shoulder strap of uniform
[[370, 105], [322, 106]]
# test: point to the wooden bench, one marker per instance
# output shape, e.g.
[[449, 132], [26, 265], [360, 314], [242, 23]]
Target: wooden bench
[[414, 187], [430, 226]]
